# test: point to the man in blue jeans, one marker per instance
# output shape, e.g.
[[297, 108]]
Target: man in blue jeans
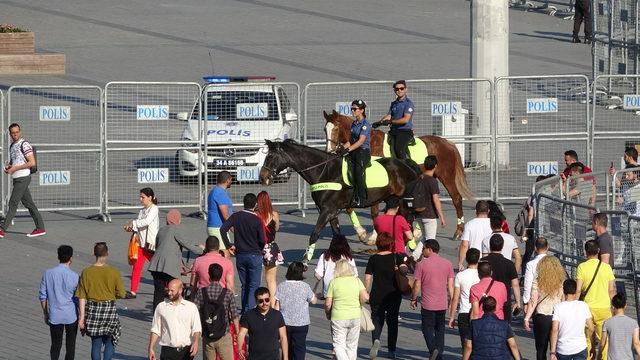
[[249, 238]]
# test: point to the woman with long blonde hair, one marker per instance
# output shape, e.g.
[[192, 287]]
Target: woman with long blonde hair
[[545, 294]]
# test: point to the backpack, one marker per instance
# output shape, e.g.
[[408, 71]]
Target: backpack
[[35, 156], [522, 221], [213, 316], [415, 195]]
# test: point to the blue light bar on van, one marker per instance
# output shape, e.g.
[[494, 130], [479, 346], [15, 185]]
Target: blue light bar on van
[[229, 79]]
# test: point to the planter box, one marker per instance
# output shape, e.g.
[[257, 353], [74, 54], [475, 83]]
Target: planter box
[[38, 64], [17, 43]]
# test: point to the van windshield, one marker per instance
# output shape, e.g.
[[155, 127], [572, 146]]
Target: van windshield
[[240, 106]]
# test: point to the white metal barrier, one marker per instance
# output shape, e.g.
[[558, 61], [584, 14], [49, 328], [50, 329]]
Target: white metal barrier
[[625, 187], [2, 138], [616, 110], [239, 118], [456, 109], [64, 123], [144, 137], [537, 118]]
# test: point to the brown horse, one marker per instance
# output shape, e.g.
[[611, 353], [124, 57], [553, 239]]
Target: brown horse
[[450, 170]]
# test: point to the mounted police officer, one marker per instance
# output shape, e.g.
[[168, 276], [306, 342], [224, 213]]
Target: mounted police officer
[[358, 149], [399, 118]]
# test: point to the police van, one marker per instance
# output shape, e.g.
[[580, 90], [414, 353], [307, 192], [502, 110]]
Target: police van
[[241, 112]]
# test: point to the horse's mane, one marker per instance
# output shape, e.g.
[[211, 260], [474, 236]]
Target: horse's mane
[[293, 143]]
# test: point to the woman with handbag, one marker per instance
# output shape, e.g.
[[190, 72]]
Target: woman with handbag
[[271, 254], [545, 294], [345, 297], [338, 249], [145, 227], [380, 276]]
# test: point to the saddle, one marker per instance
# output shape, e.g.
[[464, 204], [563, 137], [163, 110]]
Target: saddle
[[416, 149], [375, 175]]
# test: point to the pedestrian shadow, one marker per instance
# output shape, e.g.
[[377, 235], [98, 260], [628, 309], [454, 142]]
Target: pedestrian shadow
[[128, 357], [562, 37], [137, 314]]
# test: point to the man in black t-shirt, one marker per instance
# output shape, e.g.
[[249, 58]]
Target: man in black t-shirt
[[429, 209], [504, 270], [266, 329], [599, 224]]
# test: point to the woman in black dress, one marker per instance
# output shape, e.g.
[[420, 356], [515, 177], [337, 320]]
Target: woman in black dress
[[271, 254]]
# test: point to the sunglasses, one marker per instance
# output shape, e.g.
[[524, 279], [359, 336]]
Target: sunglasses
[[263, 301], [354, 108], [399, 88]]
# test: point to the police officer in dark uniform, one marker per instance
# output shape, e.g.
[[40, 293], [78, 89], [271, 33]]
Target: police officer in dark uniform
[[358, 149], [400, 118]]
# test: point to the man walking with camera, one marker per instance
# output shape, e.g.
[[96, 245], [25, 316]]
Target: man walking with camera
[[21, 165]]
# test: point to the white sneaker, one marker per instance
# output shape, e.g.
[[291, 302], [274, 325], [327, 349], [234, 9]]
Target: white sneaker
[[373, 353]]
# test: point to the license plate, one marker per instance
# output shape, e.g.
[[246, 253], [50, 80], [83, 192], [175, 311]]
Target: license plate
[[228, 162]]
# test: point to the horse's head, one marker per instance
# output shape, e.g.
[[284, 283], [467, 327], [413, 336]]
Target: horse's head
[[337, 129], [274, 163]]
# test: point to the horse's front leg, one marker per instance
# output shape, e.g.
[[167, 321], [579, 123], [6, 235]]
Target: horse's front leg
[[362, 233], [323, 219]]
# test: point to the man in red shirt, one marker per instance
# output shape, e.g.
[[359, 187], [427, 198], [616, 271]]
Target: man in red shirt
[[570, 157], [487, 287], [434, 283], [200, 269]]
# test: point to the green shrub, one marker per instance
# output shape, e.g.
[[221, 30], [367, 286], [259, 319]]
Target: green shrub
[[8, 28]]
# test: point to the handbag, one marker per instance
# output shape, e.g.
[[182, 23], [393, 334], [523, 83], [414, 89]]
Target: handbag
[[402, 282], [366, 324], [132, 253], [584, 294]]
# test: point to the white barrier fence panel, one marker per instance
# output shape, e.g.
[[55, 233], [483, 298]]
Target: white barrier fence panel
[[2, 139], [616, 110], [64, 123], [239, 118], [145, 124], [456, 109], [537, 119]]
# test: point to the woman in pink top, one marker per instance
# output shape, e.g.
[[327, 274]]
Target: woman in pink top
[[390, 221], [200, 268]]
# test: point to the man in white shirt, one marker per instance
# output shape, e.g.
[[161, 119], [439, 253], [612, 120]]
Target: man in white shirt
[[531, 272], [570, 318], [510, 248], [22, 161], [176, 323], [474, 232], [462, 289]]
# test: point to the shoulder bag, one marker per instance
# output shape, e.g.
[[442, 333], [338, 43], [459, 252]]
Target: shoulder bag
[[584, 294], [402, 282]]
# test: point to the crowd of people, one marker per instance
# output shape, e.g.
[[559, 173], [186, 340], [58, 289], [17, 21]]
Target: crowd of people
[[494, 287]]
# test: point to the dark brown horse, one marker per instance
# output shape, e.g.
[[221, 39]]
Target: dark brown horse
[[450, 170], [323, 172]]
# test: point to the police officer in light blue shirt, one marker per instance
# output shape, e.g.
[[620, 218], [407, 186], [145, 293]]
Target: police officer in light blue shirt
[[400, 118], [358, 150]]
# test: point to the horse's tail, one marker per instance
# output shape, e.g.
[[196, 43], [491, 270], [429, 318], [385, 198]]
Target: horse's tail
[[461, 178]]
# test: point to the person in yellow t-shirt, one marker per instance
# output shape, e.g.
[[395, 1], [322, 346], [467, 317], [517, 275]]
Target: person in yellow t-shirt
[[345, 296], [597, 294]]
